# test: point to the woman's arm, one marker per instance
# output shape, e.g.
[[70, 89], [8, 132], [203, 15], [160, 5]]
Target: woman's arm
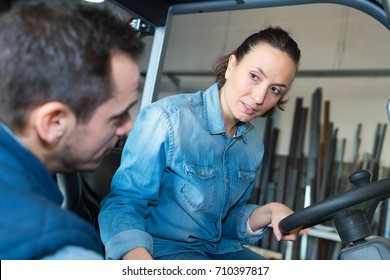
[[272, 213], [135, 186], [139, 253]]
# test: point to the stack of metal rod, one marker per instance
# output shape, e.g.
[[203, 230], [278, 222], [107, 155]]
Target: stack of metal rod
[[299, 180]]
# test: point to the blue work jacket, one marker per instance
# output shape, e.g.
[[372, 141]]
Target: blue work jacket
[[32, 223]]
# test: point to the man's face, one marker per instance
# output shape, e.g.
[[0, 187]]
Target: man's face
[[89, 142]]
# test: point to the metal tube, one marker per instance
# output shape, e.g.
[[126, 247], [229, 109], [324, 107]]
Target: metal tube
[[162, 33], [154, 69], [369, 7], [386, 7]]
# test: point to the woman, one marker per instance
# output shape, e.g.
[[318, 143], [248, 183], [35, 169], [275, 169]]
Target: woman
[[189, 164]]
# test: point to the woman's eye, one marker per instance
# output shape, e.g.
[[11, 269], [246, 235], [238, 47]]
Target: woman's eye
[[254, 76], [276, 91]]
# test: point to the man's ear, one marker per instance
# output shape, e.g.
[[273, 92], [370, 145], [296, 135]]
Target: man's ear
[[52, 120]]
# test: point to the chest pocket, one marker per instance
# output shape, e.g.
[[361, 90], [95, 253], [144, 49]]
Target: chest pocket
[[199, 189], [244, 181]]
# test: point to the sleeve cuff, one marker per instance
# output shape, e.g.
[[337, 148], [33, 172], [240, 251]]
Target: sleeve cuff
[[126, 241], [249, 232], [244, 232]]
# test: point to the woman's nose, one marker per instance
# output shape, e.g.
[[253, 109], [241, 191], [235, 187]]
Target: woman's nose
[[259, 95]]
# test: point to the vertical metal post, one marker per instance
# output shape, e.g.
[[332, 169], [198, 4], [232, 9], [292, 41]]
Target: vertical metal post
[[386, 7], [155, 65], [387, 222], [304, 237], [289, 251]]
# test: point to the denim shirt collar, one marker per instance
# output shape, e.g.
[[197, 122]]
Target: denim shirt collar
[[213, 114]]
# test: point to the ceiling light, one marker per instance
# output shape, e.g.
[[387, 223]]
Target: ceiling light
[[94, 1]]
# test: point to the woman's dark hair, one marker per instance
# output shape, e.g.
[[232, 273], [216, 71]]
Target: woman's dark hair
[[273, 36]]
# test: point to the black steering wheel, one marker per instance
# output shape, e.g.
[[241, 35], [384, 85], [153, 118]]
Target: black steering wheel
[[325, 210]]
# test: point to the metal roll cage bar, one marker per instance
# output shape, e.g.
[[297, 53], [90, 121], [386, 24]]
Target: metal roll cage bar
[[380, 10]]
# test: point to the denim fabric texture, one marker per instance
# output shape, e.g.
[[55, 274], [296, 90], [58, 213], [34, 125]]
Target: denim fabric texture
[[244, 254], [182, 184]]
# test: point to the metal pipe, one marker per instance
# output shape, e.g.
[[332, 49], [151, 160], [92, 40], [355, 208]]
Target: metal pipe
[[388, 109], [359, 73], [372, 8], [162, 33], [386, 7], [156, 61]]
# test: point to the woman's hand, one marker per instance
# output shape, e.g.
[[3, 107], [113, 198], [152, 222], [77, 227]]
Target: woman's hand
[[272, 213]]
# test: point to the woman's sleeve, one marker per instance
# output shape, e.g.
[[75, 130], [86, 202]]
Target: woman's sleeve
[[235, 223], [135, 185]]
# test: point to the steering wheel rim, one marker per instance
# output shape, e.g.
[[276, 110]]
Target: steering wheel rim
[[326, 209]]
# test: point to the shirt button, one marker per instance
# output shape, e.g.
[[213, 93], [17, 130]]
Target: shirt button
[[202, 173]]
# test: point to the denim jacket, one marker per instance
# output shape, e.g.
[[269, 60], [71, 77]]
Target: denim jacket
[[182, 184]]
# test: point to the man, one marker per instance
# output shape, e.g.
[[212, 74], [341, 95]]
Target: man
[[68, 77]]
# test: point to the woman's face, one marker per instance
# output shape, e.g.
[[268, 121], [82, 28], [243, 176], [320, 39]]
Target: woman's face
[[256, 83]]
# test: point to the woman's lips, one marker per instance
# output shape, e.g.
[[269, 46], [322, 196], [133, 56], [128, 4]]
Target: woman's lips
[[248, 109]]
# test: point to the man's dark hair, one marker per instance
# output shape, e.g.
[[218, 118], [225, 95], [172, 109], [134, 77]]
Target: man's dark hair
[[58, 51]]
